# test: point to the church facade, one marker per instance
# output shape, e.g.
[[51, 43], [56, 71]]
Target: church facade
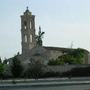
[[30, 50]]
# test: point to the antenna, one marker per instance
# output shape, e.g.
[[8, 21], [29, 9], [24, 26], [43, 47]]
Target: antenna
[[71, 45]]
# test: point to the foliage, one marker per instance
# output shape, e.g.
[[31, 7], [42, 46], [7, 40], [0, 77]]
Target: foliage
[[34, 70], [78, 72], [52, 62], [73, 56], [39, 37], [51, 74], [1, 70], [16, 67], [5, 61], [0, 60]]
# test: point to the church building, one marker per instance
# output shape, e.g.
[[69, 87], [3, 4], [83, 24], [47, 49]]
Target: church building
[[30, 50]]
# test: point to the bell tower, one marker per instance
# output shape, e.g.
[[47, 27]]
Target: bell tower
[[27, 31]]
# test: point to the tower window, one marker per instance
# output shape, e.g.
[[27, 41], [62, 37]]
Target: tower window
[[30, 38], [25, 38], [25, 27], [25, 24], [30, 25]]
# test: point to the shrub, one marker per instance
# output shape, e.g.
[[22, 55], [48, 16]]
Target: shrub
[[78, 72], [16, 67]]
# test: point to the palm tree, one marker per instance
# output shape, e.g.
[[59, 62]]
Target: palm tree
[[39, 37]]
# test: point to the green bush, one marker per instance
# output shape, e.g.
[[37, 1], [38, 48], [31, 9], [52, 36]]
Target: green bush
[[78, 72], [16, 67], [74, 56]]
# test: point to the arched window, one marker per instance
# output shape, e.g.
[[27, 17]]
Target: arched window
[[25, 38], [30, 38], [25, 24], [30, 25]]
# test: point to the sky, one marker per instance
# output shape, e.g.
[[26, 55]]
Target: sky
[[66, 23]]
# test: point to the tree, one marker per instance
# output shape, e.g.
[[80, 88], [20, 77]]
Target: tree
[[16, 67], [1, 70], [5, 61], [0, 60], [39, 37], [77, 55], [34, 70], [73, 56]]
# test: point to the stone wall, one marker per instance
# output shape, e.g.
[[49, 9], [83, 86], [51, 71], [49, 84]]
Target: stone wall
[[53, 54], [63, 68]]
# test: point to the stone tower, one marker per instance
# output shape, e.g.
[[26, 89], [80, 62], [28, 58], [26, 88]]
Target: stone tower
[[27, 32]]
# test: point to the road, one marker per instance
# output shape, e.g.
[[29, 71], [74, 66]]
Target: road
[[69, 87], [49, 84]]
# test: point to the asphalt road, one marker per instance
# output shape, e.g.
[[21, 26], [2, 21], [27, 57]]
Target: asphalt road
[[49, 84], [69, 87]]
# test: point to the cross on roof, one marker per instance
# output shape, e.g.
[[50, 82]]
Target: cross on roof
[[27, 7]]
